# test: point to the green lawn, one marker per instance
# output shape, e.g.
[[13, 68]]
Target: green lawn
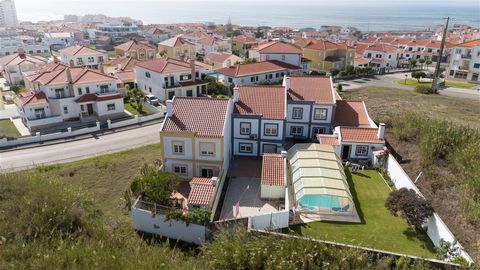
[[132, 108], [380, 229], [414, 82], [8, 129]]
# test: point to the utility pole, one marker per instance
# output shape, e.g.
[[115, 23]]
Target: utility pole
[[440, 56]]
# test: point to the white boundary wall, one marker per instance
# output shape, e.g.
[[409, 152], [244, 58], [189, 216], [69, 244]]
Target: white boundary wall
[[270, 221], [136, 120], [145, 221], [436, 228]]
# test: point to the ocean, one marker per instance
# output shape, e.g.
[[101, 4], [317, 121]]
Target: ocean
[[380, 18]]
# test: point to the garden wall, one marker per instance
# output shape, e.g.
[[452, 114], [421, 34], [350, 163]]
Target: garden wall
[[436, 228]]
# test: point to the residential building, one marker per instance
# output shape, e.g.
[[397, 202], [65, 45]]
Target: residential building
[[168, 77], [157, 35], [211, 44], [8, 13], [12, 66], [195, 144], [278, 50], [271, 71], [59, 40], [118, 32], [123, 69], [258, 120], [140, 50], [69, 94], [221, 59], [10, 45], [382, 56], [242, 44], [177, 47], [465, 61], [83, 56], [327, 55]]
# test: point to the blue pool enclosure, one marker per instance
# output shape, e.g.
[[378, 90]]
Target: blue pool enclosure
[[319, 201]]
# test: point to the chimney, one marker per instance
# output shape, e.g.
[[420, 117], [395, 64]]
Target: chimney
[[21, 53], [119, 67], [214, 181], [169, 108], [284, 154], [100, 68], [286, 82], [192, 67], [71, 63], [381, 131], [69, 75], [236, 94]]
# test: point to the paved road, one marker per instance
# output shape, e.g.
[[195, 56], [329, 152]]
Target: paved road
[[389, 80], [75, 150]]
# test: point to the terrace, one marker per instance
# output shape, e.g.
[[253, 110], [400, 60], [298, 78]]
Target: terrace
[[379, 229]]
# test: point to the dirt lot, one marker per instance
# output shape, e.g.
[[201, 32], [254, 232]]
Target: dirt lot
[[382, 103]]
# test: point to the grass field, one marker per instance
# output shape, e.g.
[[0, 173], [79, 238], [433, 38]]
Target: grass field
[[414, 82], [380, 230], [132, 108], [8, 129]]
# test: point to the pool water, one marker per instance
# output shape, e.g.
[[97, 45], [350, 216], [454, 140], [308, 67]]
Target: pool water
[[322, 201]]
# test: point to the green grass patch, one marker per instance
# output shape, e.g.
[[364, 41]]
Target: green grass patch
[[460, 84], [8, 129], [414, 82], [132, 106], [380, 229]]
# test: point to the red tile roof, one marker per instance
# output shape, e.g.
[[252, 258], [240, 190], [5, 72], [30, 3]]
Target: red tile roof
[[33, 98], [167, 65], [16, 59], [351, 113], [217, 56], [323, 45], [207, 41], [244, 39], [318, 89], [201, 116], [469, 44], [361, 135], [273, 170], [79, 75], [328, 139], [361, 61], [267, 101], [126, 76], [381, 47], [277, 47], [80, 50], [175, 42], [261, 67], [134, 45], [201, 192], [125, 63]]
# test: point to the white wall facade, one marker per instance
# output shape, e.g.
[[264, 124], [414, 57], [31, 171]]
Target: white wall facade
[[271, 77], [272, 192]]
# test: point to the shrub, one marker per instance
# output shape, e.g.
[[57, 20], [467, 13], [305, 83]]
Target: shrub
[[322, 73], [423, 89], [406, 126], [339, 87], [415, 209], [156, 186], [418, 75]]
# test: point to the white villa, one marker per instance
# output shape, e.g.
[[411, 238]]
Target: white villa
[[83, 56]]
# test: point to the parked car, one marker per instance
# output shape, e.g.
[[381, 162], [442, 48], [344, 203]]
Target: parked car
[[152, 100]]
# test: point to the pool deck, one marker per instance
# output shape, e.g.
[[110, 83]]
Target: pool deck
[[314, 217]]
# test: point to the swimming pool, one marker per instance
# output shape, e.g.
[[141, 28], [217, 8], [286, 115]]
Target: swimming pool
[[319, 201]]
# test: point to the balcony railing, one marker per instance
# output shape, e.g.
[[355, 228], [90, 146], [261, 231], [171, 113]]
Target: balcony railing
[[466, 56]]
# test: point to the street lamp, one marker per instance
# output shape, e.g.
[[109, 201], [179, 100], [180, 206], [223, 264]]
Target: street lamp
[[406, 75]]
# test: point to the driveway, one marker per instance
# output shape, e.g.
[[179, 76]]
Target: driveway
[[9, 111]]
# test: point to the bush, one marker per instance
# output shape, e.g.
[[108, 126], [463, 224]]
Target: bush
[[418, 75], [154, 185], [423, 89], [415, 209], [320, 73]]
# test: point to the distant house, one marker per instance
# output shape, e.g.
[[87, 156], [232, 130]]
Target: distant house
[[12, 66], [278, 50], [177, 47], [211, 44], [83, 56], [382, 55], [271, 71], [242, 44], [140, 50], [168, 77], [465, 61], [59, 40], [327, 55], [156, 34], [221, 59], [123, 68]]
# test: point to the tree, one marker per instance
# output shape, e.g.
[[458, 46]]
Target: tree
[[320, 73], [249, 61], [155, 186], [428, 61], [415, 209], [200, 215], [421, 61], [339, 88], [412, 63], [418, 75], [138, 96], [350, 70], [334, 72]]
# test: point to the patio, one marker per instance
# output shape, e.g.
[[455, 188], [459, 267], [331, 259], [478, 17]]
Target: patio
[[244, 187]]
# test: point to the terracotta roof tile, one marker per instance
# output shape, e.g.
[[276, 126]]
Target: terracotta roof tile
[[381, 47], [126, 63], [33, 98], [134, 45], [167, 65], [469, 44], [80, 50], [318, 89], [241, 70], [267, 101], [244, 39], [201, 192], [328, 139], [277, 47], [175, 42], [217, 56], [201, 116], [361, 135], [351, 113], [79, 75], [273, 170]]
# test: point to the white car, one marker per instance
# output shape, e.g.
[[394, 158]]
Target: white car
[[152, 100]]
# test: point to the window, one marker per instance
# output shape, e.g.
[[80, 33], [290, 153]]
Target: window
[[361, 150], [252, 79], [103, 88], [100, 59], [296, 131], [245, 128], [207, 172], [178, 148], [476, 65], [271, 130], [207, 149], [283, 57], [297, 113], [189, 93], [59, 93], [317, 130], [179, 169], [65, 109], [79, 61], [147, 74], [245, 148], [90, 59], [87, 89], [40, 113], [458, 51], [79, 90], [111, 107], [320, 114]]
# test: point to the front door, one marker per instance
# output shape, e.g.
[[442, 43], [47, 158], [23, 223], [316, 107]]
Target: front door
[[90, 109], [346, 152]]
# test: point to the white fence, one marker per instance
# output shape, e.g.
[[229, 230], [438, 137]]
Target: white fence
[[135, 120], [47, 137], [146, 221], [270, 221], [436, 228]]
